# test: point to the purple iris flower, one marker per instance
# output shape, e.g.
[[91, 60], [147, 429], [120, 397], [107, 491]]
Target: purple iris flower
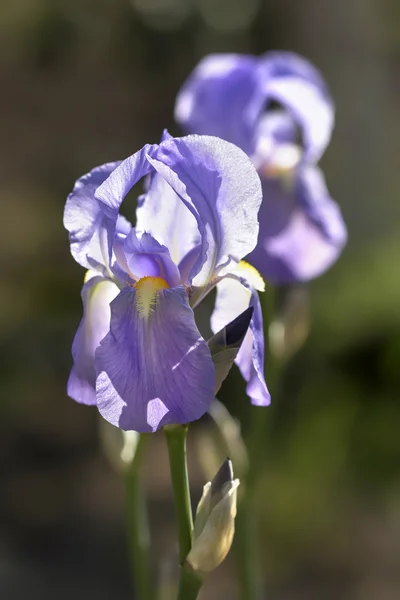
[[234, 97], [138, 353]]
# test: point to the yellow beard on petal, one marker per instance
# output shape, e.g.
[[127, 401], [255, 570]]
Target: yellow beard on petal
[[147, 290], [251, 274]]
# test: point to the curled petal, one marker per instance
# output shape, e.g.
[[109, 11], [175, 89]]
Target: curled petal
[[97, 293], [145, 257], [83, 219], [219, 185], [302, 232], [233, 297], [299, 88], [111, 193], [156, 371], [215, 99]]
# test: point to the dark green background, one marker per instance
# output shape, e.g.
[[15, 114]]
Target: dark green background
[[85, 82]]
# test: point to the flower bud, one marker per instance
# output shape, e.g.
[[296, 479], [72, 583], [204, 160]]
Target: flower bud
[[225, 345], [214, 525]]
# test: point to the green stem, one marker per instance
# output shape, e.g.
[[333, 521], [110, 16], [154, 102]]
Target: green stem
[[137, 526], [176, 441], [189, 585], [189, 582]]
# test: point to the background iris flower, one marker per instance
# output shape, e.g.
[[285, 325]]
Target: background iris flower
[[235, 96], [138, 353]]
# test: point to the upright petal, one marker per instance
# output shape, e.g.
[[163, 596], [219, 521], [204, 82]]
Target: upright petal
[[111, 193], [163, 214], [216, 97], [153, 372], [299, 88], [83, 219], [220, 186], [302, 232], [97, 293], [233, 297]]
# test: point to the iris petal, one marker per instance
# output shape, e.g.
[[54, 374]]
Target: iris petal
[[153, 372], [227, 94], [219, 185], [163, 214], [97, 293], [293, 82], [215, 99], [111, 193], [232, 299], [83, 218], [145, 256], [302, 232]]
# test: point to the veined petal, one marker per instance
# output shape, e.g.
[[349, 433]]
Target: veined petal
[[302, 232], [83, 219], [232, 299], [219, 185], [163, 214], [97, 293], [293, 82], [155, 371], [215, 99]]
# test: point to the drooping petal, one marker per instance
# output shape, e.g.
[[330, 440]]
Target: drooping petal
[[232, 299], [302, 232], [156, 371], [220, 186], [313, 196], [97, 293], [293, 82], [216, 97], [83, 219]]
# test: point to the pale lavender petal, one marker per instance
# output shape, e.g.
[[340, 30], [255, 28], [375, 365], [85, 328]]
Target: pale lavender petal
[[299, 88], [97, 294], [313, 196], [278, 125], [111, 193], [278, 63], [302, 232], [232, 299], [153, 372], [83, 219], [218, 183], [163, 214], [145, 257], [215, 99]]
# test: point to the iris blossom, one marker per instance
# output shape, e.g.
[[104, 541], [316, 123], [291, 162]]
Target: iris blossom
[[235, 97], [138, 353]]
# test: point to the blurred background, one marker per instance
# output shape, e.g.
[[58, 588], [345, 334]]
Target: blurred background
[[89, 81]]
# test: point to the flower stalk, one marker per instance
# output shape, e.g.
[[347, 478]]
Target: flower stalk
[[137, 526], [176, 442]]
